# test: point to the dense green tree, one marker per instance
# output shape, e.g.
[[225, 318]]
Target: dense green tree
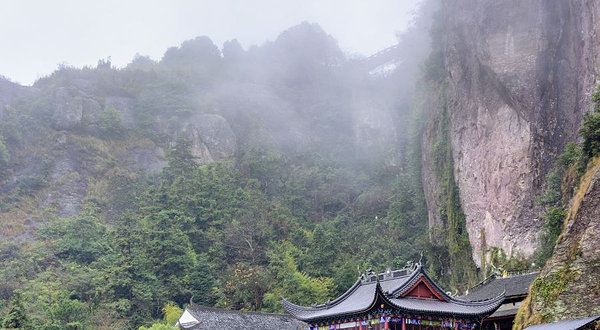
[[169, 253], [16, 317], [128, 279], [181, 161], [81, 238], [49, 306], [300, 220], [589, 131], [110, 123], [293, 284], [322, 252], [194, 51], [202, 283]]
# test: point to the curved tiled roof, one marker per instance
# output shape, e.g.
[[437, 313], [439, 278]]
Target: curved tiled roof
[[416, 275], [455, 307], [358, 298], [565, 325], [515, 286], [364, 293], [209, 318]]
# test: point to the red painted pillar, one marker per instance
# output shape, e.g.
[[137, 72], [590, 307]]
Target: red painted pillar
[[387, 323], [360, 325], [403, 324]]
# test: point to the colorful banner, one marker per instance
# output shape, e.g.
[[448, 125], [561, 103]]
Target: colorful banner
[[445, 324], [383, 319]]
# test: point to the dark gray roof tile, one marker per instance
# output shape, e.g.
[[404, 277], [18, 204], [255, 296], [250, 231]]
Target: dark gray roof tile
[[515, 285], [363, 294], [215, 318], [565, 325]]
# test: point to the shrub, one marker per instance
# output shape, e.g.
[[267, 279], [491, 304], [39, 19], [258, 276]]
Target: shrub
[[111, 123], [590, 129], [553, 221], [3, 160]]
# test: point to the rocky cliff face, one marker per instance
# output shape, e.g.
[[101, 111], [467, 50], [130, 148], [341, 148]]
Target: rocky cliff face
[[520, 75], [569, 285], [68, 159]]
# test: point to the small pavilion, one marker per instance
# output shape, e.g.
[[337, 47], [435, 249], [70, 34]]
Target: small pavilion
[[405, 299]]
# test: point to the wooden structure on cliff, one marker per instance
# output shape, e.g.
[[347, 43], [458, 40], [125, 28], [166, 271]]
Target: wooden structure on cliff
[[405, 299]]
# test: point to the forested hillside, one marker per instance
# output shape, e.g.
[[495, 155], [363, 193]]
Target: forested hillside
[[233, 177], [228, 176]]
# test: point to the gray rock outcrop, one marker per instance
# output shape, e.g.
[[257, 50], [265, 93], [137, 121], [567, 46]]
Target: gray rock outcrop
[[68, 109], [569, 284], [520, 78], [149, 161], [125, 106], [211, 136], [67, 182]]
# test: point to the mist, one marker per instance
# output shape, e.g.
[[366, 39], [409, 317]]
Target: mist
[[81, 32], [220, 154]]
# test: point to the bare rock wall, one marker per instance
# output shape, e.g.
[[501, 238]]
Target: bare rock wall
[[520, 78]]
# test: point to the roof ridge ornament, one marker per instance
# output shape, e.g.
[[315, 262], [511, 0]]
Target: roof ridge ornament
[[356, 301]]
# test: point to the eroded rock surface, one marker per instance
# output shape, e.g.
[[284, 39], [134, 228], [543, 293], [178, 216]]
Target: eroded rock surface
[[520, 78], [125, 106], [68, 185], [569, 285], [68, 109], [150, 161], [211, 136]]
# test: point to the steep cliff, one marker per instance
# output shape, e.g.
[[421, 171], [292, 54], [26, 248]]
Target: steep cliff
[[569, 285], [520, 75]]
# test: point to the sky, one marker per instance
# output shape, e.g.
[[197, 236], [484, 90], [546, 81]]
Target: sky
[[37, 35]]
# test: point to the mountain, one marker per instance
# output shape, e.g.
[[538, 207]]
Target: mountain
[[229, 175], [236, 176]]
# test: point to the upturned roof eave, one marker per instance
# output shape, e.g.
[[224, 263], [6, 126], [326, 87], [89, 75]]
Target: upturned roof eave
[[288, 304], [379, 294], [413, 278], [492, 306], [297, 310], [293, 308]]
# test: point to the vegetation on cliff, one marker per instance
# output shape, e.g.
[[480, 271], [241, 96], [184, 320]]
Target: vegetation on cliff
[[569, 278], [116, 208]]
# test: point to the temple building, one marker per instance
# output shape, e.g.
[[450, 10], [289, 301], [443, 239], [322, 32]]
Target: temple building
[[197, 317], [405, 299], [515, 288]]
